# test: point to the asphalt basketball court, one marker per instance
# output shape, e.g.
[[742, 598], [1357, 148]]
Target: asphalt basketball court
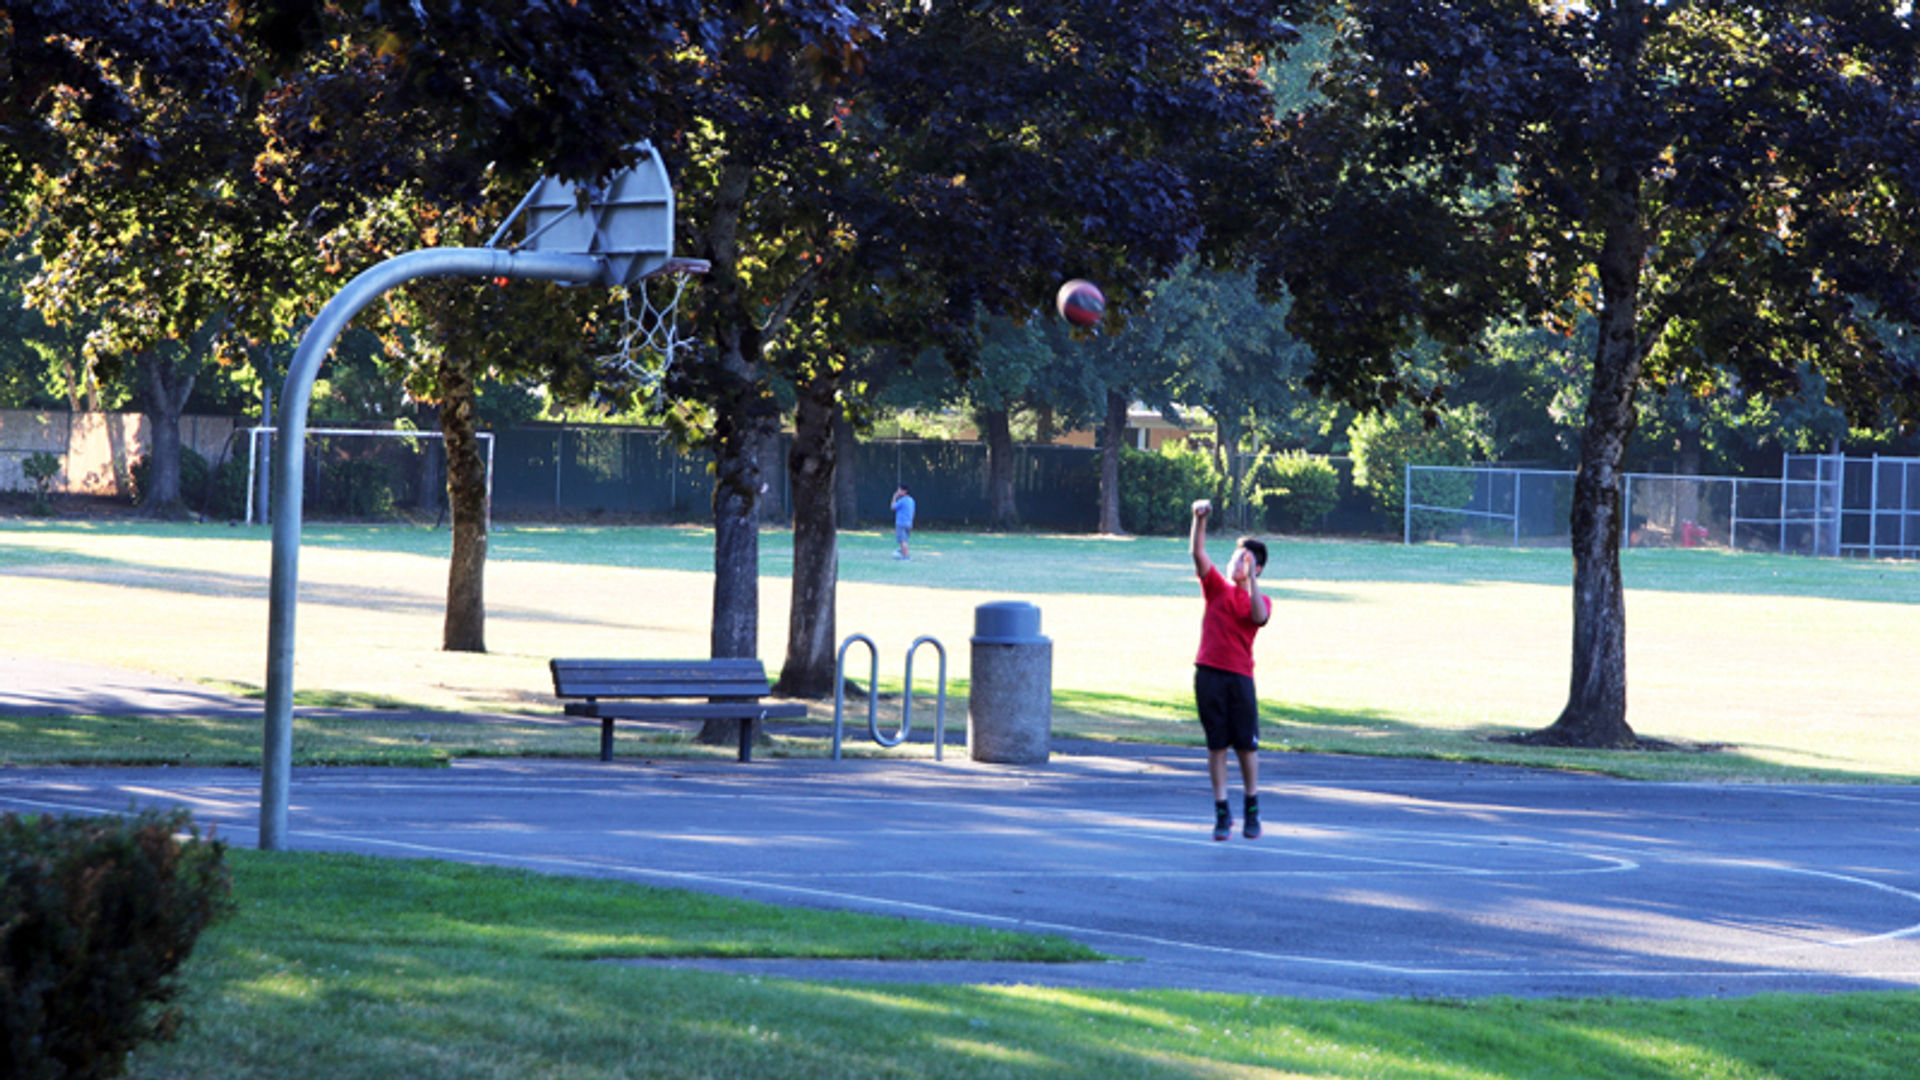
[[1375, 877]]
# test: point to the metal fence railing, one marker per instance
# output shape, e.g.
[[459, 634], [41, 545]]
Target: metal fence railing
[[1880, 508], [1821, 504]]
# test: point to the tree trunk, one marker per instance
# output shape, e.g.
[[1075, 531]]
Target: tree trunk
[[846, 497], [996, 427], [466, 622], [736, 550], [1226, 441], [1596, 709], [1112, 431], [72, 382], [742, 425], [169, 385], [809, 668]]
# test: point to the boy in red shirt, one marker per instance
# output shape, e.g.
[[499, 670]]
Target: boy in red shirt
[[1223, 670]]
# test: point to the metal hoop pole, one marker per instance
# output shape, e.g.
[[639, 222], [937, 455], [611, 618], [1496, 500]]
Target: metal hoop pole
[[840, 688], [940, 709], [288, 465]]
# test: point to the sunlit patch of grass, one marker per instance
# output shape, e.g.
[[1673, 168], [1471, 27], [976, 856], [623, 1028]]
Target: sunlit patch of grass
[[1798, 667], [353, 968]]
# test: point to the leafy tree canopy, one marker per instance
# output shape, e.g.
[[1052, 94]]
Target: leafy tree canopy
[[1731, 190], [1752, 168], [1028, 144], [69, 65]]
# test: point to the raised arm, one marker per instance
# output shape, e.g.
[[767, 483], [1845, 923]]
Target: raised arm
[[1198, 537], [1259, 608]]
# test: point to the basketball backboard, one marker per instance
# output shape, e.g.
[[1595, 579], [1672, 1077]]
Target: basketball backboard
[[627, 221]]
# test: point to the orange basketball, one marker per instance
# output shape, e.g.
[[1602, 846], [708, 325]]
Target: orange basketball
[[1081, 302]]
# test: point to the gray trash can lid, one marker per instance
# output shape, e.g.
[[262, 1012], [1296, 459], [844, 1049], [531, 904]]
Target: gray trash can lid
[[1007, 622]]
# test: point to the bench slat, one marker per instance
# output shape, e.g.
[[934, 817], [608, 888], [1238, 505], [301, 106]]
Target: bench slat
[[706, 688], [749, 665], [739, 676], [647, 710], [734, 683]]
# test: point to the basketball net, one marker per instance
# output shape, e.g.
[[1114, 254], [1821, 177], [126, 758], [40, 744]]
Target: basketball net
[[650, 337]]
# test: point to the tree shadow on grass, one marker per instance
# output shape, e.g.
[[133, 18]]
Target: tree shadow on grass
[[1308, 729]]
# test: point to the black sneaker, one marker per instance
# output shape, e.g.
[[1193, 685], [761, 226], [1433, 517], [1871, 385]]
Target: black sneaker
[[1222, 821], [1251, 829]]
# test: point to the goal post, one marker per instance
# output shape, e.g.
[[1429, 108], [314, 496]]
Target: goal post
[[260, 449]]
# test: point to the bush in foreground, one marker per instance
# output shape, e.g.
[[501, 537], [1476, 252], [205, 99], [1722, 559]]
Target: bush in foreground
[[96, 916]]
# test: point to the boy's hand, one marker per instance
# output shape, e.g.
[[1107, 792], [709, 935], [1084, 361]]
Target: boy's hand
[[1202, 507]]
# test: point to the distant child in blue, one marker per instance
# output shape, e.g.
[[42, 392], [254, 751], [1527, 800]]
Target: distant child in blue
[[902, 520]]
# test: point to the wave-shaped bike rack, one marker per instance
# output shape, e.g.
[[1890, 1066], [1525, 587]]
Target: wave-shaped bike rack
[[873, 694]]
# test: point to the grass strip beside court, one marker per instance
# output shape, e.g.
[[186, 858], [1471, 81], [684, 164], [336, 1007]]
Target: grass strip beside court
[[346, 968], [1799, 668], [429, 740]]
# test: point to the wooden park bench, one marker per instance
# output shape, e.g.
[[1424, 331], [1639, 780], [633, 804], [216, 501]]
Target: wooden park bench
[[613, 690]]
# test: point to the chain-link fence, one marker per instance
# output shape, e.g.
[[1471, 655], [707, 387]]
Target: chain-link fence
[[600, 470], [1821, 504], [571, 473], [351, 474], [1880, 508], [638, 472], [1488, 505]]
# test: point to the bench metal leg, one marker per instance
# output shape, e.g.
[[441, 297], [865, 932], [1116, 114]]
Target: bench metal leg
[[606, 740], [746, 739]]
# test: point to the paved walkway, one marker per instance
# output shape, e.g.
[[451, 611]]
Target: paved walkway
[[1376, 877]]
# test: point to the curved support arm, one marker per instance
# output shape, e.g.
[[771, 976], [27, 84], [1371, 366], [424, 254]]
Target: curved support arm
[[289, 471], [840, 688], [940, 708]]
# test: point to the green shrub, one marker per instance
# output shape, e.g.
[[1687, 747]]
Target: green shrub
[[227, 498], [1297, 491], [96, 916], [1385, 443], [193, 477], [357, 487], [42, 468], [1157, 489]]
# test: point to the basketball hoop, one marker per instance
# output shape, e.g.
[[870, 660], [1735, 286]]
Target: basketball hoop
[[627, 223], [650, 336]]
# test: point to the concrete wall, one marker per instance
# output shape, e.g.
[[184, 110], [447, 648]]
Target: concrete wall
[[93, 447]]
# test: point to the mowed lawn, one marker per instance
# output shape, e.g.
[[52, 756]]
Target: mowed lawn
[[346, 967], [1789, 662]]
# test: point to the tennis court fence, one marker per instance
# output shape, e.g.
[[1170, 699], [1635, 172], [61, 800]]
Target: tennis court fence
[[1820, 504]]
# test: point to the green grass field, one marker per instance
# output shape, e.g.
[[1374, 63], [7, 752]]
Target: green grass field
[[347, 968], [1789, 667], [341, 968]]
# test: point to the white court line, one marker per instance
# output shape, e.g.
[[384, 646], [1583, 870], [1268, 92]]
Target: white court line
[[1835, 796], [1072, 929], [1446, 839]]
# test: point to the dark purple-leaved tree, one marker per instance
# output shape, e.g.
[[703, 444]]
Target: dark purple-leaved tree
[[403, 125], [71, 66], [152, 234], [980, 156], [1730, 189]]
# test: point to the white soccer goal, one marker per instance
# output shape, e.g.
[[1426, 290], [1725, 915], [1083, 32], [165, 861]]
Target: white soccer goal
[[374, 485]]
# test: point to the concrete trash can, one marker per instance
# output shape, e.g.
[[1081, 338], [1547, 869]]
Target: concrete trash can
[[1010, 705]]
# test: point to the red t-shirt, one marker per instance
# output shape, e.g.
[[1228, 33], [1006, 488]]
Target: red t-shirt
[[1227, 628]]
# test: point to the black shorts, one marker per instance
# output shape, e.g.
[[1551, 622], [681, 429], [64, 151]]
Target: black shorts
[[1229, 711]]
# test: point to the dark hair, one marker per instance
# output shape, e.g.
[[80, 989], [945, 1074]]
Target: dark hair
[[906, 489], [1258, 548]]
